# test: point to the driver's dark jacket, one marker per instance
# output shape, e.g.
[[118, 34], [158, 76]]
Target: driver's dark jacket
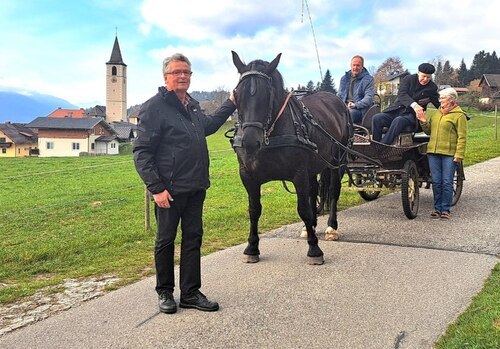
[[410, 90], [170, 151]]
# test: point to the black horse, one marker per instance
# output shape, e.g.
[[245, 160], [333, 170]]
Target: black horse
[[282, 138]]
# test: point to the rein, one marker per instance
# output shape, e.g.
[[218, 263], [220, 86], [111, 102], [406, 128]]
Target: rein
[[268, 133]]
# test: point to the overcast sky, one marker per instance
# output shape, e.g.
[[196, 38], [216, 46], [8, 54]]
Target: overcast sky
[[60, 47]]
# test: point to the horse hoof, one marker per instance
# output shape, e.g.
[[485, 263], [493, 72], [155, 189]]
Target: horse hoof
[[248, 258], [315, 260], [331, 234], [303, 233]]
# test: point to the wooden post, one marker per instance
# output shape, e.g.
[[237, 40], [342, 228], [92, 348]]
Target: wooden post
[[496, 122], [147, 216]]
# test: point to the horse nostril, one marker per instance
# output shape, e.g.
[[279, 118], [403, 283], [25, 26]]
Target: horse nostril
[[251, 147]]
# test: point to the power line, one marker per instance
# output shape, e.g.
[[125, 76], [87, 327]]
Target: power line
[[314, 35]]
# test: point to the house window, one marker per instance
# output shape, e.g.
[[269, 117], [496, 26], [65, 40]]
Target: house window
[[4, 151], [3, 140], [92, 146], [76, 146], [113, 145], [50, 145], [101, 130], [19, 150]]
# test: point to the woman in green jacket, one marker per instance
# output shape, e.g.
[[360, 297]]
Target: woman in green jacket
[[447, 128]]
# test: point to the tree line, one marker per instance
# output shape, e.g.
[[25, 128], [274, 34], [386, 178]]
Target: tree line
[[483, 63]]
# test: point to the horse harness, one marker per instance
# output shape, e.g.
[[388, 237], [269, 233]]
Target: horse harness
[[302, 120]]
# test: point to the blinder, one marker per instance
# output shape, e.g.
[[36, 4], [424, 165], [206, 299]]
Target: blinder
[[253, 89]]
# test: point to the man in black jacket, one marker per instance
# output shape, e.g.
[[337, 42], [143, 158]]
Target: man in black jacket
[[171, 157], [415, 92]]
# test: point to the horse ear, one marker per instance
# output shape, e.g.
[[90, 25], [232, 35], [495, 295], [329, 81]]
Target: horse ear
[[238, 63], [272, 66]]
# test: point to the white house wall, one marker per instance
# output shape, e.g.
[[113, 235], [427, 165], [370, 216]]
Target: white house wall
[[62, 147], [111, 148]]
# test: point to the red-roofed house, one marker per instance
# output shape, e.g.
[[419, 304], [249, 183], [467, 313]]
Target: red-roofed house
[[68, 113]]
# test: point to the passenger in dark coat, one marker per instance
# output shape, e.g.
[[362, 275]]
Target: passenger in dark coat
[[415, 93], [171, 157]]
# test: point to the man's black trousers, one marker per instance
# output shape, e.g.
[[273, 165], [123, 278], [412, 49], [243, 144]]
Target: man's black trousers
[[187, 209]]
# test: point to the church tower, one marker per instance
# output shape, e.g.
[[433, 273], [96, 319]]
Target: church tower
[[116, 86]]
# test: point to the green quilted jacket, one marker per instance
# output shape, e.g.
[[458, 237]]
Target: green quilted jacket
[[448, 132]]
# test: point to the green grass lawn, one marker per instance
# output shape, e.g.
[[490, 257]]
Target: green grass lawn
[[66, 218]]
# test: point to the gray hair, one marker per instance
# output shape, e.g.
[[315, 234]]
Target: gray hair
[[449, 93], [175, 57], [360, 57]]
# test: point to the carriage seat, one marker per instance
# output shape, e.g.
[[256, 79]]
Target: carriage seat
[[406, 136]]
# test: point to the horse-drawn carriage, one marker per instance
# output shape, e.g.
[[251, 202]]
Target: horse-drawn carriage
[[280, 136]]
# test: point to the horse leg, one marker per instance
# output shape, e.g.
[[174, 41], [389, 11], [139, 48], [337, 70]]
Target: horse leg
[[331, 233], [302, 187], [313, 197], [251, 253]]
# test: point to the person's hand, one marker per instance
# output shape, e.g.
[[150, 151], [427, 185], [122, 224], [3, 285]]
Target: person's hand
[[419, 111], [351, 105], [457, 160], [163, 199], [231, 97]]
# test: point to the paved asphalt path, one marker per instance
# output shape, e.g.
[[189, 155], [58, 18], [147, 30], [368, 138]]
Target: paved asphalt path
[[389, 282]]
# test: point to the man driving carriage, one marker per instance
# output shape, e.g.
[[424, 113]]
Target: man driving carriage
[[356, 89], [415, 93]]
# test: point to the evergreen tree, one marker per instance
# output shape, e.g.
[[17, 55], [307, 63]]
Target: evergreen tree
[[463, 74], [492, 63], [310, 86], [438, 75], [328, 84], [478, 67], [447, 74]]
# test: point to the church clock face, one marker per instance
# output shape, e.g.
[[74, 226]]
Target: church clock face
[[113, 79]]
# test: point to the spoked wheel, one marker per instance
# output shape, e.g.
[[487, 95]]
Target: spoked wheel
[[409, 189], [458, 183], [370, 195], [367, 194]]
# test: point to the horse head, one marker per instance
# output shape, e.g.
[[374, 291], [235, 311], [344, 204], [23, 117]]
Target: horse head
[[257, 96]]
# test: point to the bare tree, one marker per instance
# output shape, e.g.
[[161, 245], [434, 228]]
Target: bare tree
[[220, 95], [391, 67]]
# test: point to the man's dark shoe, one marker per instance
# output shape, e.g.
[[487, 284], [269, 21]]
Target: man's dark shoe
[[166, 302], [197, 300]]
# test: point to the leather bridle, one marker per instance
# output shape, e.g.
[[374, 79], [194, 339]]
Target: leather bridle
[[268, 126]]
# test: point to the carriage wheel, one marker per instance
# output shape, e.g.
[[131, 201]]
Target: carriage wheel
[[367, 194], [458, 183], [409, 189], [370, 195]]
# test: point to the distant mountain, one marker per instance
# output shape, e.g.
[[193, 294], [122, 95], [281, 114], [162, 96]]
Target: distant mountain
[[16, 107]]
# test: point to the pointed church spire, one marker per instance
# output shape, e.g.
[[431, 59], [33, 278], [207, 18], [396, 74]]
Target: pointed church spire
[[116, 55]]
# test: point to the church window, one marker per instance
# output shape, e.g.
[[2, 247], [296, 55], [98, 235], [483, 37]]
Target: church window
[[113, 70]]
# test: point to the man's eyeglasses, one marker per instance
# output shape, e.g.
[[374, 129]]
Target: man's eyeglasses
[[181, 72]]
